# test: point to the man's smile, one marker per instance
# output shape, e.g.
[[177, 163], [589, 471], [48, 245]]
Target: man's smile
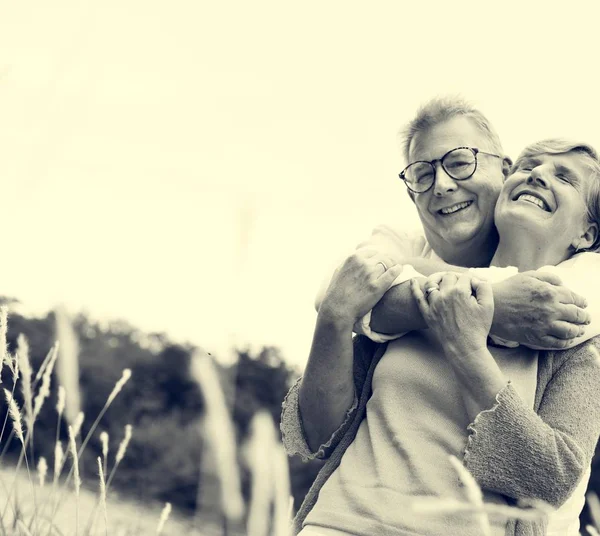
[[452, 209]]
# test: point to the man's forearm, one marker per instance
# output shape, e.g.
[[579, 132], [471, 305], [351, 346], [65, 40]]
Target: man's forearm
[[327, 388], [397, 311]]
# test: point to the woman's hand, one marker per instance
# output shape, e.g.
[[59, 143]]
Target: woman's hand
[[358, 284], [459, 309]]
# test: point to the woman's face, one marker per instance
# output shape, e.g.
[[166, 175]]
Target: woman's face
[[546, 194]]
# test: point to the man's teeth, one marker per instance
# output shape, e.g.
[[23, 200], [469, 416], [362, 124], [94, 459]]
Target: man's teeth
[[534, 200], [455, 208]]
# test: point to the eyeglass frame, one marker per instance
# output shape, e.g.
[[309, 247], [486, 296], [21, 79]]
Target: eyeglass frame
[[432, 163]]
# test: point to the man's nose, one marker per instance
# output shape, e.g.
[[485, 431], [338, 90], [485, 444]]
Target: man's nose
[[444, 183], [537, 177]]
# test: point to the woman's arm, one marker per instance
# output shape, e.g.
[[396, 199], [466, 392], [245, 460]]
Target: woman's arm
[[511, 449], [514, 451]]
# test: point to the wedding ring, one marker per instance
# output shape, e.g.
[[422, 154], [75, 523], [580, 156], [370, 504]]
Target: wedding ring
[[429, 290], [384, 266]]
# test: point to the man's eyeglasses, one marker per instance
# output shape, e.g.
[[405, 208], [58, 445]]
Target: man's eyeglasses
[[459, 163]]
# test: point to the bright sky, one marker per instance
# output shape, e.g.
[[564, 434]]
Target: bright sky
[[195, 167]]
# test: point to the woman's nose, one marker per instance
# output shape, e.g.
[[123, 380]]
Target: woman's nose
[[537, 178]]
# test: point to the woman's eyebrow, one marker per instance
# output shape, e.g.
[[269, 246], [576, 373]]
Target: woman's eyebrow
[[565, 170]]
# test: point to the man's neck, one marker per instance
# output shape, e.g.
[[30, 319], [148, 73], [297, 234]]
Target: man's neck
[[473, 254]]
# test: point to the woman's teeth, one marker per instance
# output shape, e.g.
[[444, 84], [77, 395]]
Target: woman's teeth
[[532, 199]]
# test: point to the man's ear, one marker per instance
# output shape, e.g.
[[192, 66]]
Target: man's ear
[[506, 166], [588, 238]]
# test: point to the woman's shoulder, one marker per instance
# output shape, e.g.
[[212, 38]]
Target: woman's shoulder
[[588, 352]]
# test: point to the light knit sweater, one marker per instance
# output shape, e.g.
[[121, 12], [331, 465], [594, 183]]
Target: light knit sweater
[[511, 449]]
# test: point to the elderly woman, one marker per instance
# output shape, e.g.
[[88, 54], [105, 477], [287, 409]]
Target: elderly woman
[[525, 422]]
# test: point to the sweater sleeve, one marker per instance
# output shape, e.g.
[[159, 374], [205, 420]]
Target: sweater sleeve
[[291, 427], [526, 455]]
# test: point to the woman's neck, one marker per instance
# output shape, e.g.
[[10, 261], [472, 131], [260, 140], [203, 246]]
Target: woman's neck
[[526, 252]]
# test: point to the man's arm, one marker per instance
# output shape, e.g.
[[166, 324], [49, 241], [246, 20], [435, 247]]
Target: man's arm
[[532, 308]]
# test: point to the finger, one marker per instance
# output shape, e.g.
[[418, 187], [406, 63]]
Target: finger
[[575, 315], [435, 279], [555, 343], [381, 264], [390, 276], [419, 298], [483, 292], [567, 296], [448, 281], [463, 283], [565, 330], [548, 277]]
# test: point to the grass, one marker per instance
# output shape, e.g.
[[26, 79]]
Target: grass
[[36, 505]]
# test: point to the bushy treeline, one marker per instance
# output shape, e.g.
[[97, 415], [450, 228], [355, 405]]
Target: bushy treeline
[[164, 459]]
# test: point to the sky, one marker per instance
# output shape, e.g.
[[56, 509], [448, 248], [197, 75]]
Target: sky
[[197, 168]]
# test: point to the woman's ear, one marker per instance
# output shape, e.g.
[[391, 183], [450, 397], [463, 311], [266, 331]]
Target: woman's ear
[[588, 238], [506, 166]]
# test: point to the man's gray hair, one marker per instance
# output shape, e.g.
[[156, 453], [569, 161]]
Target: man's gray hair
[[441, 109], [562, 146]]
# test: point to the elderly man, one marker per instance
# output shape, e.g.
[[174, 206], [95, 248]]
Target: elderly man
[[457, 214], [455, 173]]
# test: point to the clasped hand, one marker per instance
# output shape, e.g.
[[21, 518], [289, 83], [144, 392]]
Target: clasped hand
[[458, 309]]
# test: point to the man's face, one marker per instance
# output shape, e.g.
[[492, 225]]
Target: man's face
[[454, 213]]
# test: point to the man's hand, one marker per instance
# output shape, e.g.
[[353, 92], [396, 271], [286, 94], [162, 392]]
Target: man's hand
[[533, 308], [358, 284]]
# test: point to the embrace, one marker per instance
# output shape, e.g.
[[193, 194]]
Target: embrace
[[474, 339]]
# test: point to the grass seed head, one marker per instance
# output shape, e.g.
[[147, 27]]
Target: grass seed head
[[15, 415], [104, 441], [119, 385], [59, 455], [123, 445], [77, 423], [44, 391], [26, 373], [60, 402], [164, 516], [42, 468]]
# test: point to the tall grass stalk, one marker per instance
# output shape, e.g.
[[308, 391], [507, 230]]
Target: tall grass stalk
[[474, 494], [42, 468], [104, 442], [164, 516], [76, 479], [282, 519], [125, 375], [593, 507], [67, 366], [120, 453], [220, 436], [103, 494], [116, 390], [260, 456], [46, 377], [15, 414]]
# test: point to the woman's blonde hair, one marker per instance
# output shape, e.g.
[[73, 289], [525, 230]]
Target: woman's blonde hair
[[592, 191]]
